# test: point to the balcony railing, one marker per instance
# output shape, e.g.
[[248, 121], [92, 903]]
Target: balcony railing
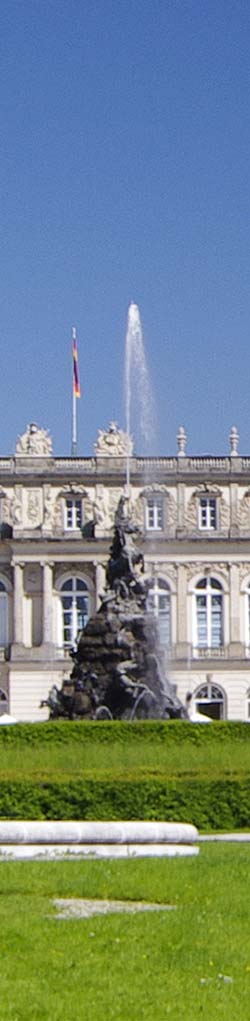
[[218, 652]]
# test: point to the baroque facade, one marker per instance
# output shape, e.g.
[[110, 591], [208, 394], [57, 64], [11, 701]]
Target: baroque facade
[[57, 516]]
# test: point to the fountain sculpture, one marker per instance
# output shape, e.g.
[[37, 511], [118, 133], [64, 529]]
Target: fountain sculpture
[[118, 670]]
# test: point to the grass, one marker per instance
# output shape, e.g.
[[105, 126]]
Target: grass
[[89, 758], [129, 967]]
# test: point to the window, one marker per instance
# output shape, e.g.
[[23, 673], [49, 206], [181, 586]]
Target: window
[[73, 513], [207, 513], [208, 614], [154, 513], [75, 609], [210, 701], [158, 603], [4, 624]]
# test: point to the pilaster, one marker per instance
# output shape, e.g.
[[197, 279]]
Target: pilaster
[[47, 566], [182, 647]]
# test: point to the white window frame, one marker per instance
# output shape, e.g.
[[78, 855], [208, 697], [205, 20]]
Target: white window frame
[[157, 589], [73, 516], [207, 513], [155, 513], [72, 593], [208, 591], [214, 693]]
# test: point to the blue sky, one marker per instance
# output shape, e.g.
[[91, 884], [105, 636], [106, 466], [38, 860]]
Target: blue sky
[[124, 176]]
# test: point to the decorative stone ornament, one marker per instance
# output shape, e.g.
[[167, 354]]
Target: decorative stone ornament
[[34, 442], [181, 441], [234, 440], [113, 442]]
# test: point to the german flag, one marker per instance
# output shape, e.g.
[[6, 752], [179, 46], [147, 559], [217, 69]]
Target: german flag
[[76, 380]]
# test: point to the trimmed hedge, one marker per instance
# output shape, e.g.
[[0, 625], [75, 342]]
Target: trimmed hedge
[[172, 732], [216, 803], [221, 804]]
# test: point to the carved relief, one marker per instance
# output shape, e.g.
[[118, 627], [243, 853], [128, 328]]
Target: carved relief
[[244, 571], [113, 442], [101, 508], [114, 497], [89, 506], [34, 506], [58, 514], [167, 571], [49, 507], [5, 507], [16, 509], [244, 512], [191, 515], [34, 442], [207, 570]]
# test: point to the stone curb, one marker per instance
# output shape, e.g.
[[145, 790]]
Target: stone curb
[[71, 832]]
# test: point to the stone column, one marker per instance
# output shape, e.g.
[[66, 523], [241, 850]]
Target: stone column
[[182, 649], [100, 579], [235, 647], [18, 597], [47, 601]]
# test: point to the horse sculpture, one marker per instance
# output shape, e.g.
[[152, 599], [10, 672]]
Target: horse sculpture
[[124, 557]]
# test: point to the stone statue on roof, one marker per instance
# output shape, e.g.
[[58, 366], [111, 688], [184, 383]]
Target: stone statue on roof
[[113, 442], [34, 442]]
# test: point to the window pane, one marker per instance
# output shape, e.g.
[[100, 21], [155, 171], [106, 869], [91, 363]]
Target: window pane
[[154, 512], [207, 512], [201, 604]]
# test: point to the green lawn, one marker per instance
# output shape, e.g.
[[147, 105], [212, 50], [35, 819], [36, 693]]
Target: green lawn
[[96, 750], [128, 967]]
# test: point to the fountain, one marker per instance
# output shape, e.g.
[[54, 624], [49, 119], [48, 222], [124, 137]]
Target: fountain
[[118, 666], [118, 670], [136, 379]]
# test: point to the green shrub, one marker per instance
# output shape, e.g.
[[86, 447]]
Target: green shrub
[[223, 804], [174, 731]]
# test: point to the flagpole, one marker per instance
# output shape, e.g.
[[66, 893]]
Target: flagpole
[[74, 412]]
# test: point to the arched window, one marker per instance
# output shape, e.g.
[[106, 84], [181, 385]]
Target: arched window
[[208, 614], [158, 603], [210, 700], [4, 623], [75, 609]]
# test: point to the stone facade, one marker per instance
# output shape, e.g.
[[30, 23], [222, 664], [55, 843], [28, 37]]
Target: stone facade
[[57, 516]]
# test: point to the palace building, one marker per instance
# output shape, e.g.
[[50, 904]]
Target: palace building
[[57, 517]]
